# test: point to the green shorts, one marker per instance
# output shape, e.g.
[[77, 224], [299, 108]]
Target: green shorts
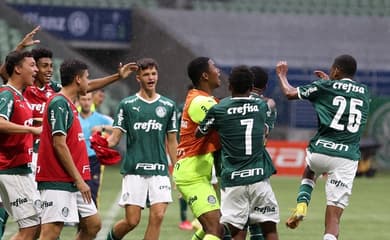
[[192, 176]]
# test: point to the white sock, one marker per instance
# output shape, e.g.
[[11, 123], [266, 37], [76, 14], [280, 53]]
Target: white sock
[[329, 236]]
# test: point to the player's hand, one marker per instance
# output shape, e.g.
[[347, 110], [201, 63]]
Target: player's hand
[[84, 190], [281, 68], [36, 130], [321, 74], [125, 70], [28, 39]]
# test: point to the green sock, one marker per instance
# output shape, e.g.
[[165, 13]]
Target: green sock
[[111, 236], [3, 221], [226, 233], [198, 235], [304, 194], [183, 209], [211, 237], [255, 232]]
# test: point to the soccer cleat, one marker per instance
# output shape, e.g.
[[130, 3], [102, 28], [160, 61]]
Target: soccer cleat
[[185, 225], [297, 216]]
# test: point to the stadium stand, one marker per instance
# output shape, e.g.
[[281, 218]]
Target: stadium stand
[[298, 7], [91, 3]]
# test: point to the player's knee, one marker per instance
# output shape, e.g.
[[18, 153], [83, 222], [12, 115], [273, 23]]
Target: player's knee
[[92, 229], [132, 222]]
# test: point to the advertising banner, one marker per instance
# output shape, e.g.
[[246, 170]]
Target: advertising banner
[[80, 23], [288, 157]]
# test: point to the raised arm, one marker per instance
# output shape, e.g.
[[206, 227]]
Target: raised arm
[[27, 41], [123, 72], [289, 91]]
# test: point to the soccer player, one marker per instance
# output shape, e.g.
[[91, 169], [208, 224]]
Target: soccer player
[[342, 107], [18, 192], [259, 85], [192, 174], [63, 165], [149, 121], [44, 86], [27, 41], [246, 193], [92, 121]]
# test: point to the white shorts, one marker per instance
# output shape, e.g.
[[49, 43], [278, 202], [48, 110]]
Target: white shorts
[[64, 206], [136, 189], [20, 198], [254, 203], [341, 173]]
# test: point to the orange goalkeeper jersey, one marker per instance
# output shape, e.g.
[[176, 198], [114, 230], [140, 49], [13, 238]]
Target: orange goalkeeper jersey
[[190, 145]]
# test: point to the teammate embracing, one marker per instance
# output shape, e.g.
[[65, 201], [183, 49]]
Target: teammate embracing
[[342, 107], [192, 173], [246, 193]]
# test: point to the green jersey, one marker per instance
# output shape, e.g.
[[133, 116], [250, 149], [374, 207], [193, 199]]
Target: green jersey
[[271, 113], [146, 124], [240, 123], [342, 108]]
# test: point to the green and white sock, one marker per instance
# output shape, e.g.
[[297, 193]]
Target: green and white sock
[[305, 190], [111, 236]]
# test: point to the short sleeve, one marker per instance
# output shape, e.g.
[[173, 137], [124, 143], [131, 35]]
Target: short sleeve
[[309, 91], [120, 116], [60, 115], [6, 104]]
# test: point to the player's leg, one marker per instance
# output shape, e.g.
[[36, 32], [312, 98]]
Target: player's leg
[[124, 226], [235, 207], [58, 206], [264, 209], [156, 216], [90, 222], [159, 195], [255, 232], [192, 177], [269, 230], [236, 233], [133, 199], [332, 222], [338, 189], [3, 219], [21, 198], [51, 231], [304, 193]]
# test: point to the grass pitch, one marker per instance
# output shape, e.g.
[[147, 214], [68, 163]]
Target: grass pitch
[[367, 216]]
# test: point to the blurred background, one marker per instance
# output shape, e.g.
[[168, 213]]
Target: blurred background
[[309, 34]]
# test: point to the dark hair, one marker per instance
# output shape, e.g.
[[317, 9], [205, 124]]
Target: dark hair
[[70, 69], [196, 68], [346, 64], [13, 59], [261, 77], [241, 79], [39, 53], [145, 63]]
